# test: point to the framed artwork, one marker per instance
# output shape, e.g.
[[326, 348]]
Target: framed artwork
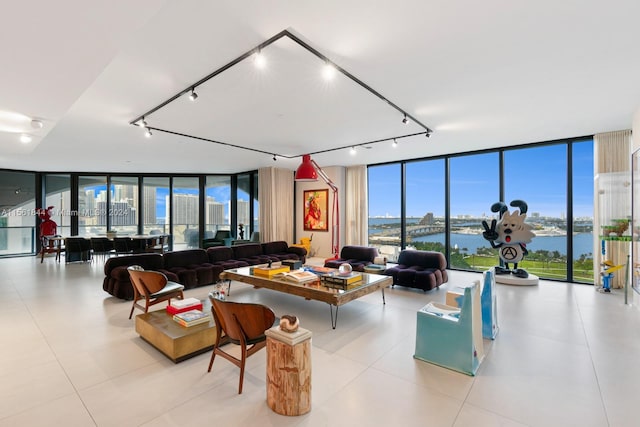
[[315, 210]]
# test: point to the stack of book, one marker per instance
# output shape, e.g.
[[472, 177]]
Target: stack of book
[[341, 281], [269, 272], [182, 305], [192, 317]]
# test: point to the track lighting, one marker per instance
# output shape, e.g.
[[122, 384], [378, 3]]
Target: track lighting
[[142, 123], [394, 144], [329, 71], [193, 95], [428, 134], [148, 133], [37, 124], [274, 158], [405, 120], [25, 139], [352, 151]]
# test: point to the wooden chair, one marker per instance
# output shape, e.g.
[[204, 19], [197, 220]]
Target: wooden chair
[[153, 287], [51, 245], [242, 324]]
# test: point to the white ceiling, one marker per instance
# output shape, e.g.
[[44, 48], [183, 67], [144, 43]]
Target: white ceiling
[[480, 74]]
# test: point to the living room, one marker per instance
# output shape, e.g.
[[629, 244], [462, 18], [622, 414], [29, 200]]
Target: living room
[[82, 73]]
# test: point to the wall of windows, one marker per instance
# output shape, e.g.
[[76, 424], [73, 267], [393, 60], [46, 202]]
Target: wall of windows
[[187, 207], [425, 210]]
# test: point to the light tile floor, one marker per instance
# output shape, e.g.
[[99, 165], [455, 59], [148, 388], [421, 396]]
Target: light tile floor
[[565, 355]]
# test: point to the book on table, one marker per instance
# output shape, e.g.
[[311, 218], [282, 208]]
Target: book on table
[[182, 305], [270, 271], [298, 276], [341, 279], [192, 317]]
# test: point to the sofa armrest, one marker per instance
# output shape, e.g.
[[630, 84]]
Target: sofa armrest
[[301, 252]]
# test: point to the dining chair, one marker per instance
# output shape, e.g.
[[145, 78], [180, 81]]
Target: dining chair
[[51, 245], [243, 324], [101, 246], [152, 287]]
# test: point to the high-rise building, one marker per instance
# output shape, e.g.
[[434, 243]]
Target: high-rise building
[[185, 209], [214, 212], [149, 213]]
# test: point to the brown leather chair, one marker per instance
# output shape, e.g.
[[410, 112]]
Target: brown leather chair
[[242, 324], [153, 287]]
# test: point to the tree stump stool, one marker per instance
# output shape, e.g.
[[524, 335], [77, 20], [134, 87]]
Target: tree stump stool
[[289, 371]]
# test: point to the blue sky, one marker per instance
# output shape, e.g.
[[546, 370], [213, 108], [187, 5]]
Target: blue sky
[[536, 175]]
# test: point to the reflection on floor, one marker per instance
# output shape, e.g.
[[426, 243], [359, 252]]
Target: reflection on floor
[[565, 355]]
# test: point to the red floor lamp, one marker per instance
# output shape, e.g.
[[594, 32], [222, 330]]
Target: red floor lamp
[[309, 171]]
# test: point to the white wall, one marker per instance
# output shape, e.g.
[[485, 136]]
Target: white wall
[[321, 244]]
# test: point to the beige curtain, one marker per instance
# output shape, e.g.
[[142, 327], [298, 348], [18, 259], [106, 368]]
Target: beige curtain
[[356, 202], [275, 195]]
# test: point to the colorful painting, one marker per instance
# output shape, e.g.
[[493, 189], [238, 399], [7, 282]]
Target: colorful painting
[[315, 210]]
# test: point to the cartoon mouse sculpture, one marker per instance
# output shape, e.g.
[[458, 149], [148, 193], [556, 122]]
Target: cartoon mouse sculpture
[[509, 234]]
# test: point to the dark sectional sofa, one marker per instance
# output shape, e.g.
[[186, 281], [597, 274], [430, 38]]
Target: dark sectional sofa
[[419, 269], [195, 267]]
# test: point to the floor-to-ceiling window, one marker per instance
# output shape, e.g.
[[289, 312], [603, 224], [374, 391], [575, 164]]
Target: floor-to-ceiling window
[[17, 213], [92, 205], [243, 206], [156, 208], [186, 196], [217, 204], [124, 205], [544, 189], [559, 206], [385, 200], [474, 187], [425, 205], [58, 195], [582, 195]]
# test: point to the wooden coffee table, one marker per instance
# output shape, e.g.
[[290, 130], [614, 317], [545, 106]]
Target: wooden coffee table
[[175, 341], [314, 290]]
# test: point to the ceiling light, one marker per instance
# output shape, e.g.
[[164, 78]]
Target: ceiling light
[[405, 120], [352, 151], [329, 71], [274, 158], [148, 133], [25, 139], [193, 95], [428, 134], [394, 144], [37, 124], [259, 60], [142, 123]]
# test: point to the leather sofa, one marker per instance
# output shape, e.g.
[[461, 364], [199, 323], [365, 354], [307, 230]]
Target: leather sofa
[[419, 269], [357, 256], [195, 267]]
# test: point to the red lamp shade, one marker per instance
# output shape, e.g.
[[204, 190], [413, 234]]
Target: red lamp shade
[[306, 171]]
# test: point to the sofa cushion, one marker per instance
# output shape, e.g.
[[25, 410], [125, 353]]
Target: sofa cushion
[[357, 256]]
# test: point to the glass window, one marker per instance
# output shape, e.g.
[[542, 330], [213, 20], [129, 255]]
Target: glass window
[[185, 213], [17, 213], [474, 187], [217, 203], [256, 205], [58, 195], [155, 205], [243, 206], [546, 197], [583, 173], [92, 205], [425, 215], [123, 210], [384, 209]]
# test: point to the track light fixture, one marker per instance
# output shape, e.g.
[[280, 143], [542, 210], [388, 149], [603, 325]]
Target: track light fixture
[[352, 151], [405, 120], [193, 95], [428, 134], [25, 139], [394, 144], [142, 123], [259, 60], [274, 158], [148, 133]]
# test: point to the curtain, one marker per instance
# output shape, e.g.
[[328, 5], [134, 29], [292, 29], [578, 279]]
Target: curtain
[[275, 195], [356, 206]]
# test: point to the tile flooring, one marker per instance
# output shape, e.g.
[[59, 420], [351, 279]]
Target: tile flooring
[[565, 355]]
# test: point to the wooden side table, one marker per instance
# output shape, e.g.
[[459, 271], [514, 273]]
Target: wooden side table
[[289, 371]]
